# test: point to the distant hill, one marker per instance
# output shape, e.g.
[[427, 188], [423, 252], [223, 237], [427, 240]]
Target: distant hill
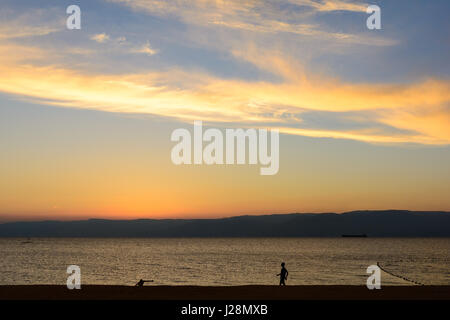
[[389, 223]]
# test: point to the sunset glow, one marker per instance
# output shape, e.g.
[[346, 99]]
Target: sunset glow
[[86, 115]]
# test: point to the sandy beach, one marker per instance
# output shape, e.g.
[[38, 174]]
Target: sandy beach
[[255, 292]]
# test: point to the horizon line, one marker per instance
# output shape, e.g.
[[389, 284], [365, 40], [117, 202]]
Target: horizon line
[[221, 218]]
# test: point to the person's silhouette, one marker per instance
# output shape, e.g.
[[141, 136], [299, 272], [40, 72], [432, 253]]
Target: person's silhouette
[[283, 274], [141, 283]]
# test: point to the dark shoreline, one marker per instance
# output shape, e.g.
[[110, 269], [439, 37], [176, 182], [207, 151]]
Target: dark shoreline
[[254, 292], [372, 223]]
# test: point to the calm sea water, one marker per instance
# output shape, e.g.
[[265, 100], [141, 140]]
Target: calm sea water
[[318, 261]]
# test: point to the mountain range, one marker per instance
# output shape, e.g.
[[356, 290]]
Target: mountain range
[[387, 223]]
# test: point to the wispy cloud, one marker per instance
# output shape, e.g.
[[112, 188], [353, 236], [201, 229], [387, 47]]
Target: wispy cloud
[[11, 32], [333, 5], [32, 23], [259, 16], [418, 109]]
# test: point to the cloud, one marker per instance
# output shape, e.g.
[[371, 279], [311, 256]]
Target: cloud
[[417, 110], [32, 23], [259, 16], [333, 5], [146, 49], [11, 32], [100, 37]]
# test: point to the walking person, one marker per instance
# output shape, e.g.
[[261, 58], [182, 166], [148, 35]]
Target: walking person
[[283, 274]]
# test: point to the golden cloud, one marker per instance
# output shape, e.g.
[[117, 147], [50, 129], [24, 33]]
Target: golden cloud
[[418, 107]]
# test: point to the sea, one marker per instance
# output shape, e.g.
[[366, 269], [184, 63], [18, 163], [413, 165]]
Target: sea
[[224, 261]]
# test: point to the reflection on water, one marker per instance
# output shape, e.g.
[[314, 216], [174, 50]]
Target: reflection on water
[[180, 261]]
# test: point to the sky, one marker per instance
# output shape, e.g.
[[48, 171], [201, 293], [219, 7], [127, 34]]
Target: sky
[[86, 115]]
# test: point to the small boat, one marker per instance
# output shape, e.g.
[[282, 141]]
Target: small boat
[[354, 235]]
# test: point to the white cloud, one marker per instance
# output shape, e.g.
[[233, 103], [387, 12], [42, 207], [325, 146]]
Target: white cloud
[[146, 49]]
